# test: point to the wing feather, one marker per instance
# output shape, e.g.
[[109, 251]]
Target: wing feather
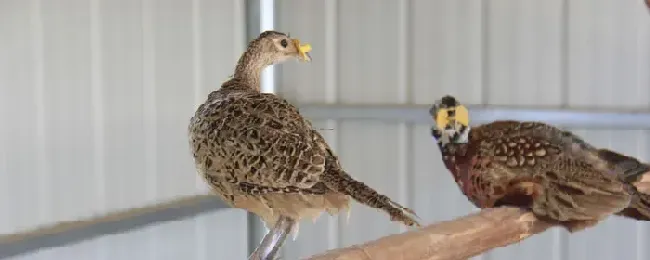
[[263, 142], [561, 186]]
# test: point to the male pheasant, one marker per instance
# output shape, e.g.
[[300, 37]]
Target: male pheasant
[[533, 165]]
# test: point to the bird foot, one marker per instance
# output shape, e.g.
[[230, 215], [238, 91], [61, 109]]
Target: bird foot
[[403, 209], [399, 215]]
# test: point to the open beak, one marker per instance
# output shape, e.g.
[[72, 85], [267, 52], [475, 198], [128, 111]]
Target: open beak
[[303, 50]]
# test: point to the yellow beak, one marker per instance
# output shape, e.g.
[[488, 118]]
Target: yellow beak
[[303, 50]]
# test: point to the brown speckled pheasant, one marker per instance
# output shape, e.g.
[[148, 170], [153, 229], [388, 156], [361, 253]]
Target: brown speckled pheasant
[[258, 153], [533, 165]]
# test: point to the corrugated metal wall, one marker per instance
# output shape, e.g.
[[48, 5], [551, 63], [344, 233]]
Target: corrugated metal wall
[[559, 53], [95, 98]]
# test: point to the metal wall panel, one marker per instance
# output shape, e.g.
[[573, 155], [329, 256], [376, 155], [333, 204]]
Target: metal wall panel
[[95, 98], [198, 238], [445, 49], [548, 53], [545, 53], [609, 58], [523, 59]]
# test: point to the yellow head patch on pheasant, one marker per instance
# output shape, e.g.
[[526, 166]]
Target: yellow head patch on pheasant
[[451, 121]]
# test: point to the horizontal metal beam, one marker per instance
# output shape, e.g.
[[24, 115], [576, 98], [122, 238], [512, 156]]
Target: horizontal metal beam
[[67, 233], [419, 114]]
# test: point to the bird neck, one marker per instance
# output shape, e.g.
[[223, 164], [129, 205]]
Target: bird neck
[[452, 156], [250, 66], [453, 149]]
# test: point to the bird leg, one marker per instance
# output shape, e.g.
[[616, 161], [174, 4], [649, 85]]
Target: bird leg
[[273, 240]]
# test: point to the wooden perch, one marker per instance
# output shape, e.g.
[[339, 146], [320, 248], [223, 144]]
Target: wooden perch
[[461, 238]]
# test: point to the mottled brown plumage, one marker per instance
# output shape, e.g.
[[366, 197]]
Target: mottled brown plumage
[[537, 166], [258, 153]]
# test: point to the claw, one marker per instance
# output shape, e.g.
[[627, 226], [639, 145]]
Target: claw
[[407, 220], [410, 211]]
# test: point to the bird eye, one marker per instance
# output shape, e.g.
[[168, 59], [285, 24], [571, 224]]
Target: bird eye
[[283, 42]]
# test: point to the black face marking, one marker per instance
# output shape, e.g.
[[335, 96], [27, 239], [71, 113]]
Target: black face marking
[[448, 101], [436, 133], [458, 134], [451, 113]]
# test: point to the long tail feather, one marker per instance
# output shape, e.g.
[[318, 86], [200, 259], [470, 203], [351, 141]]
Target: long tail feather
[[364, 194]]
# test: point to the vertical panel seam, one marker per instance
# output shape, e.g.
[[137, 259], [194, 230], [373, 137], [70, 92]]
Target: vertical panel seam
[[44, 184], [197, 66], [485, 56], [96, 75], [331, 48], [639, 34], [564, 52], [403, 51], [240, 29], [197, 58], [149, 96]]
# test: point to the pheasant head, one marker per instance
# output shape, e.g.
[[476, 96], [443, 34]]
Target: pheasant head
[[451, 121], [451, 131]]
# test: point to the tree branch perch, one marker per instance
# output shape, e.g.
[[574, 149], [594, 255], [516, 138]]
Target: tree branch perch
[[461, 238]]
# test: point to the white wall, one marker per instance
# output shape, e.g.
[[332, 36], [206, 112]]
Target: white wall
[[557, 53], [95, 98]]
